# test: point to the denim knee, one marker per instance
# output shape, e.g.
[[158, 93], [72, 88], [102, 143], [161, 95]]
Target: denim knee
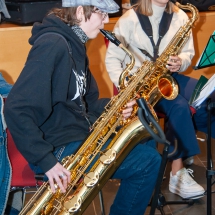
[[138, 174]]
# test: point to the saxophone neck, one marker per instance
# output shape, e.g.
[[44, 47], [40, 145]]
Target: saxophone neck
[[180, 38], [111, 37], [128, 68], [192, 9]]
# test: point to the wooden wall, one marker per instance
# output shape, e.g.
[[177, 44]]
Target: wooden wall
[[201, 32], [14, 48]]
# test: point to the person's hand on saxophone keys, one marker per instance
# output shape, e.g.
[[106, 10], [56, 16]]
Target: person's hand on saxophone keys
[[59, 176], [126, 113], [174, 63]]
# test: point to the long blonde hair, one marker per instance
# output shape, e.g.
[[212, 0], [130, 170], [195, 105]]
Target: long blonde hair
[[145, 7]]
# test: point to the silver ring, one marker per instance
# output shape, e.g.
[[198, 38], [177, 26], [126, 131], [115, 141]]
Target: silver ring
[[62, 175]]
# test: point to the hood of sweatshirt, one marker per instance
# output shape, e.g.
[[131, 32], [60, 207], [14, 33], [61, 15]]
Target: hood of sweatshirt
[[51, 23]]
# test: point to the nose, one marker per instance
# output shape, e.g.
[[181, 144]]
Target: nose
[[106, 20]]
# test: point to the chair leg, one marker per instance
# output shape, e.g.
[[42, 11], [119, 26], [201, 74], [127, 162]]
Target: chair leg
[[162, 202], [158, 200], [24, 191], [27, 190], [101, 203]]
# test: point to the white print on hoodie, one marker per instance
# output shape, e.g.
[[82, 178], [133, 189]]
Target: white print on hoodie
[[80, 84]]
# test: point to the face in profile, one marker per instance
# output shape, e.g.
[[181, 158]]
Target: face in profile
[[92, 26]]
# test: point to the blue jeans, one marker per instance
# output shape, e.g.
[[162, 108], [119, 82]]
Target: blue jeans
[[179, 122], [138, 174], [6, 172]]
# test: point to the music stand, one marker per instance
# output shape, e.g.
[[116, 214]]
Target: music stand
[[207, 59], [209, 172]]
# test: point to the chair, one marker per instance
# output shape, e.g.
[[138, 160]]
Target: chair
[[22, 176]]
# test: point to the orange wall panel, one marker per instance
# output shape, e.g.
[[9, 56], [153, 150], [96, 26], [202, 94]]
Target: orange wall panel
[[14, 48]]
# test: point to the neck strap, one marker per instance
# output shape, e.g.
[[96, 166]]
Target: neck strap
[[147, 28]]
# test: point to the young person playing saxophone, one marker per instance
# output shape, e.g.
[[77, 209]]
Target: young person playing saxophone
[[55, 101], [180, 124]]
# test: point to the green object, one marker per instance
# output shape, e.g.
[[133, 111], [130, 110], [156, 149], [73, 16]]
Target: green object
[[208, 56], [201, 82]]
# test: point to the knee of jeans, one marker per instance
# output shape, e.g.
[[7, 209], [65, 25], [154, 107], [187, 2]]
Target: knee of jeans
[[153, 155], [157, 160], [154, 164], [151, 142], [180, 109]]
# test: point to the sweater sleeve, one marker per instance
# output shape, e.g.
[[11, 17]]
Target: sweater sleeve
[[29, 103], [115, 56], [95, 104]]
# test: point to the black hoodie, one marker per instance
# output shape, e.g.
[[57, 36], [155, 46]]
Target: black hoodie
[[44, 109]]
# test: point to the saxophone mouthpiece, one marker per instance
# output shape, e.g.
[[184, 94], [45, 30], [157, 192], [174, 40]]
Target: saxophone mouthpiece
[[173, 1], [110, 36]]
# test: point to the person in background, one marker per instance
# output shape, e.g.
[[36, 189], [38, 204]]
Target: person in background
[[179, 124], [55, 100]]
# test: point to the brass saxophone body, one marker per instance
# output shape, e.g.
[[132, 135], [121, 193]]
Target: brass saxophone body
[[98, 158]]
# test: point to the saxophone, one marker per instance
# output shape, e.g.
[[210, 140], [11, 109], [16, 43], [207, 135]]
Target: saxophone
[[98, 158]]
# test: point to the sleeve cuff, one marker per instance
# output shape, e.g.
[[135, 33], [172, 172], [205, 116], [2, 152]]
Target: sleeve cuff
[[47, 162]]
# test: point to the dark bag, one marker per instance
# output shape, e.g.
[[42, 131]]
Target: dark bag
[[201, 5]]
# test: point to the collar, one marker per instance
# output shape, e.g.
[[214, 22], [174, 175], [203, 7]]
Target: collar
[[157, 11], [80, 33]]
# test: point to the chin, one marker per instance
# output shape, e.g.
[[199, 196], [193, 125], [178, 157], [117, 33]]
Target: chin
[[93, 36]]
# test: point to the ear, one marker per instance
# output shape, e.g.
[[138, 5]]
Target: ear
[[80, 13]]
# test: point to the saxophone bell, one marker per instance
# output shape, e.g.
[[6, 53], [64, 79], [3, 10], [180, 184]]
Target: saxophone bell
[[167, 87]]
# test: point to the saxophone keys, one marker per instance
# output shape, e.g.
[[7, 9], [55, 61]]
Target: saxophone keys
[[83, 161], [73, 204], [113, 120], [108, 157], [91, 179]]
